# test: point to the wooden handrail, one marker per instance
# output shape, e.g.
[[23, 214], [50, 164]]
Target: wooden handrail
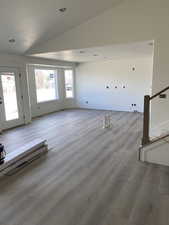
[[159, 138], [159, 93], [146, 120]]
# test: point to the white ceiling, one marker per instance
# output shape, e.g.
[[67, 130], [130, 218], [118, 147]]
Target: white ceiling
[[34, 21], [139, 49]]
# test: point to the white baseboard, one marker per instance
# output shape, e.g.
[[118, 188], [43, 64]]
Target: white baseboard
[[103, 107]]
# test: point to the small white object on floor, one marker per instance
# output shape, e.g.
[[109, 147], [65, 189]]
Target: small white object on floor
[[107, 121]]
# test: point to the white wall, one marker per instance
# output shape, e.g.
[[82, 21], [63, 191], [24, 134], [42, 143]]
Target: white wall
[[133, 20], [20, 63], [92, 79]]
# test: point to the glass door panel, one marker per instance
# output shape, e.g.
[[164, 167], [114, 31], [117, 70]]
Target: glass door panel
[[10, 99]]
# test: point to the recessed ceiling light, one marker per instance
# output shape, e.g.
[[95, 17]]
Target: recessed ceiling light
[[12, 40], [62, 10]]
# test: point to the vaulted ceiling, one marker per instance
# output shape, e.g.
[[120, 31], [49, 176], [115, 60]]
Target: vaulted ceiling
[[111, 52], [30, 22]]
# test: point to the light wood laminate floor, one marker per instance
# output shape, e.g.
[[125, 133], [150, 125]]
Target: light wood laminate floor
[[91, 176]]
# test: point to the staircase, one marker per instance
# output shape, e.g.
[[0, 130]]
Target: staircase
[[153, 150]]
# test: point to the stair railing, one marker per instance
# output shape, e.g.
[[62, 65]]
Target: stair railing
[[146, 119]]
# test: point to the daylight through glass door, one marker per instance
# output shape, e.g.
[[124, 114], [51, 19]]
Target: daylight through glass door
[[9, 96]]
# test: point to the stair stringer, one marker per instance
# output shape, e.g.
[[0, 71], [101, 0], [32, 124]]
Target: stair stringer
[[157, 152]]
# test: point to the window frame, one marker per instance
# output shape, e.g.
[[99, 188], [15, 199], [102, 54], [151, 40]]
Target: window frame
[[73, 91], [56, 83]]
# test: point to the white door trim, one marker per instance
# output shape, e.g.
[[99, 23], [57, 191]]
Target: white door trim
[[16, 122]]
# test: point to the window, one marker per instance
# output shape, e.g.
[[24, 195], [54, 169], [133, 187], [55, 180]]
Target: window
[[46, 85], [69, 83]]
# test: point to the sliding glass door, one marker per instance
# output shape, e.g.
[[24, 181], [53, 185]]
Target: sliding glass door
[[11, 114]]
